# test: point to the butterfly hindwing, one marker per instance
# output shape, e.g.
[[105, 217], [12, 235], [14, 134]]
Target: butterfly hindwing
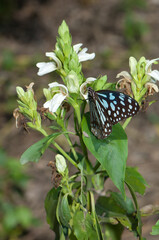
[[108, 108], [100, 127]]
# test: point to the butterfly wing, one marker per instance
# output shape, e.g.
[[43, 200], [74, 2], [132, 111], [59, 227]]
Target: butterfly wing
[[118, 106], [108, 108], [100, 124]]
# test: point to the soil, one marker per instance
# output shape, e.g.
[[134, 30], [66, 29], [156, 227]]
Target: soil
[[28, 33]]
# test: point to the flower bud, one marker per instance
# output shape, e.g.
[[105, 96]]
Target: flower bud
[[20, 92], [60, 164], [133, 64], [72, 82], [47, 94]]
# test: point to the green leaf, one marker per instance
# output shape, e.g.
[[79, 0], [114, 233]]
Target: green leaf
[[110, 152], [117, 207], [113, 232], [155, 229], [83, 226], [51, 201], [135, 180], [100, 83], [34, 153], [114, 206], [125, 204], [18, 216], [64, 211]]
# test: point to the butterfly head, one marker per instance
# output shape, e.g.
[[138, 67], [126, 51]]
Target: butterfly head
[[91, 93]]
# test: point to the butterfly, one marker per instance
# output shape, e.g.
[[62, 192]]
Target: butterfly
[[108, 108]]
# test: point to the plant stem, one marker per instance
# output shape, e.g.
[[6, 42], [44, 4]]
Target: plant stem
[[138, 213], [78, 115], [59, 148], [65, 154], [72, 148]]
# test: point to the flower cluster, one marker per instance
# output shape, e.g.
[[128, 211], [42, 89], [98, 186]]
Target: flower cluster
[[66, 61], [141, 81], [68, 65]]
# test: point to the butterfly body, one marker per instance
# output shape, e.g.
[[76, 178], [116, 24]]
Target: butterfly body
[[108, 108]]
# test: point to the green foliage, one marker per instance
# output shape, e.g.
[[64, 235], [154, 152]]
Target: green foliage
[[113, 232], [115, 206], [132, 4], [34, 153], [155, 229], [71, 209], [111, 152], [134, 29], [83, 226], [15, 220], [12, 171], [8, 60], [51, 202], [135, 180]]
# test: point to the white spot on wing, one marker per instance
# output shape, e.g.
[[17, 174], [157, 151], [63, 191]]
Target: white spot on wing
[[122, 103], [112, 106]]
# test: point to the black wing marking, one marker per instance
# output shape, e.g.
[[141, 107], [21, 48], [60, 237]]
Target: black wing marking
[[100, 124], [118, 106]]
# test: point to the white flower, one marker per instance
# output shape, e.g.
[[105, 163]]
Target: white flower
[[82, 55], [47, 67], [154, 74], [83, 87], [54, 103]]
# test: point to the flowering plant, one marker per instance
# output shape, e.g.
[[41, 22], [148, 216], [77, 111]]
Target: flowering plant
[[71, 209]]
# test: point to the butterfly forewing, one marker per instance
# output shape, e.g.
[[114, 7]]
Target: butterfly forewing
[[117, 105], [108, 108]]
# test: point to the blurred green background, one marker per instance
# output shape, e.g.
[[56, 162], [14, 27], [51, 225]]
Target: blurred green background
[[114, 30]]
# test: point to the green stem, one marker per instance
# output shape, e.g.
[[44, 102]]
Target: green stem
[[126, 122], [72, 148], [138, 214], [58, 148], [96, 166], [78, 115], [70, 143], [65, 154]]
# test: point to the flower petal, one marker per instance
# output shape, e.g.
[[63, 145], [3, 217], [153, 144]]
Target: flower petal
[[90, 79], [124, 74], [53, 56], [84, 50], [45, 68], [61, 86], [77, 47], [154, 74], [55, 102], [132, 65], [149, 63], [82, 56], [83, 87]]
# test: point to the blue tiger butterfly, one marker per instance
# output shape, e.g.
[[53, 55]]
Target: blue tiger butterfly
[[108, 108]]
